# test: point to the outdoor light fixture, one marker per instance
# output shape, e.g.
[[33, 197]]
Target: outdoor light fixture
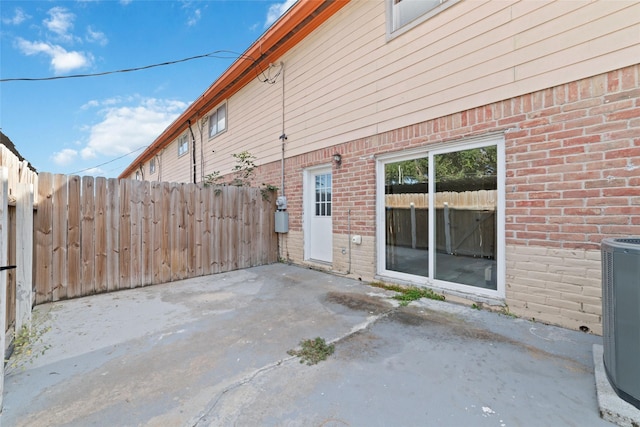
[[337, 158]]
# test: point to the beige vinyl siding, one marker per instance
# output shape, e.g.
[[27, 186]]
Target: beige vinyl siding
[[347, 81]]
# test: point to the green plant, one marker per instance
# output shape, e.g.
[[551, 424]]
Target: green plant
[[408, 294], [27, 344], [266, 190], [505, 312], [212, 179], [244, 169], [313, 351], [475, 306]]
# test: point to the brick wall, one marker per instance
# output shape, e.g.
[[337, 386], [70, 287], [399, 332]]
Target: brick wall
[[572, 178]]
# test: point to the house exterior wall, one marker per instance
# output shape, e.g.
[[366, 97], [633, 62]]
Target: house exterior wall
[[559, 80], [572, 178], [348, 80]]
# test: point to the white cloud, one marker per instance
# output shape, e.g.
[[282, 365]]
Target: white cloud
[[194, 18], [276, 10], [96, 37], [126, 128], [60, 22], [125, 2], [64, 157], [61, 60], [19, 16]]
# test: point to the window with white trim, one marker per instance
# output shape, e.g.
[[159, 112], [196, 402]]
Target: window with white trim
[[218, 121], [401, 13], [183, 145], [152, 166]]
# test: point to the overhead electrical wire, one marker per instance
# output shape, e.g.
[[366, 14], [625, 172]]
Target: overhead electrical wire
[[110, 161], [214, 54]]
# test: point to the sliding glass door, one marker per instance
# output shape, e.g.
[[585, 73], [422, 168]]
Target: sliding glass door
[[441, 214]]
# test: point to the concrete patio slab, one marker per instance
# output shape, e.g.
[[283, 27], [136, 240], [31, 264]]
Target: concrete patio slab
[[212, 351]]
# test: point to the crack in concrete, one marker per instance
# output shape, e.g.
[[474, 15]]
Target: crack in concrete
[[202, 418]]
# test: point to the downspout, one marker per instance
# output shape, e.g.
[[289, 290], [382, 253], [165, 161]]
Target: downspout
[[193, 139]]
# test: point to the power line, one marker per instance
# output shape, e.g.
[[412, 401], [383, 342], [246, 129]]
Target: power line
[[214, 54], [110, 161]]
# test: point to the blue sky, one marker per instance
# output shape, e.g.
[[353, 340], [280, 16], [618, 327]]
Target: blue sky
[[76, 125]]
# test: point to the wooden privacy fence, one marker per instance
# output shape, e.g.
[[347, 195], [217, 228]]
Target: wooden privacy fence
[[466, 222], [96, 235]]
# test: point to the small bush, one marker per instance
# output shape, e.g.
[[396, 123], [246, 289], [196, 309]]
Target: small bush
[[313, 351]]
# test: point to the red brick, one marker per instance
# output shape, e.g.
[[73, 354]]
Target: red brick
[[565, 168], [613, 81], [575, 149], [565, 202], [556, 127], [530, 219], [572, 228], [544, 178], [580, 194], [624, 230], [609, 201], [617, 192], [573, 185], [626, 153], [530, 203], [568, 219], [605, 183], [568, 236], [608, 219], [543, 228], [624, 115], [544, 195], [629, 94], [606, 127], [583, 211], [531, 235], [547, 162], [612, 106], [581, 140], [584, 158]]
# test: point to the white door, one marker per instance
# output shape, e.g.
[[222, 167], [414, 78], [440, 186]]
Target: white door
[[318, 224]]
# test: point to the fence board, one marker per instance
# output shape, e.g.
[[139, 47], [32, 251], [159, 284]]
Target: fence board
[[136, 233], [147, 235], [156, 232], [87, 238], [199, 231], [113, 234], [165, 224], [192, 247], [44, 239], [101, 230], [125, 235], [207, 222], [59, 232], [74, 223], [24, 255]]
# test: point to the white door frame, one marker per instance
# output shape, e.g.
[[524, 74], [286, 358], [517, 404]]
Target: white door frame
[[474, 142], [308, 191]]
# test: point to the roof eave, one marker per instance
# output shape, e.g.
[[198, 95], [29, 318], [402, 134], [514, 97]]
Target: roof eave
[[303, 17]]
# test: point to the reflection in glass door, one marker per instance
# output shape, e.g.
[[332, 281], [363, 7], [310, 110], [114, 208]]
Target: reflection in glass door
[[407, 216], [465, 217], [440, 210]]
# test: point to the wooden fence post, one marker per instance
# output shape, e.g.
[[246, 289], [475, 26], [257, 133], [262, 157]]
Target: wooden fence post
[[4, 243], [24, 254]]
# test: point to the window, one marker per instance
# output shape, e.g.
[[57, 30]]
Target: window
[[218, 121], [137, 175], [441, 216], [404, 12], [152, 166], [183, 144]]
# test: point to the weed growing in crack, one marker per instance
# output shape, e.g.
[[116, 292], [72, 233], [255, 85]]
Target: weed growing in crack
[[408, 294], [313, 351]]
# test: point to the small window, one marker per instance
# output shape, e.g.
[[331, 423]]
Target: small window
[[152, 166], [183, 145], [137, 175], [404, 12], [218, 121]]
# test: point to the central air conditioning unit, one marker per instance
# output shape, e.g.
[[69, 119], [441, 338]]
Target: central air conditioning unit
[[621, 315]]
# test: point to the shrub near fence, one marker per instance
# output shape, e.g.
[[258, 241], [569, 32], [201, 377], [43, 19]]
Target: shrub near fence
[[96, 235]]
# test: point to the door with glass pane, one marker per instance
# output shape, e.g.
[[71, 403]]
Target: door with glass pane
[[319, 238], [441, 217]]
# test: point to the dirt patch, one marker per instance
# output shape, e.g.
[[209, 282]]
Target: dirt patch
[[372, 305]]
